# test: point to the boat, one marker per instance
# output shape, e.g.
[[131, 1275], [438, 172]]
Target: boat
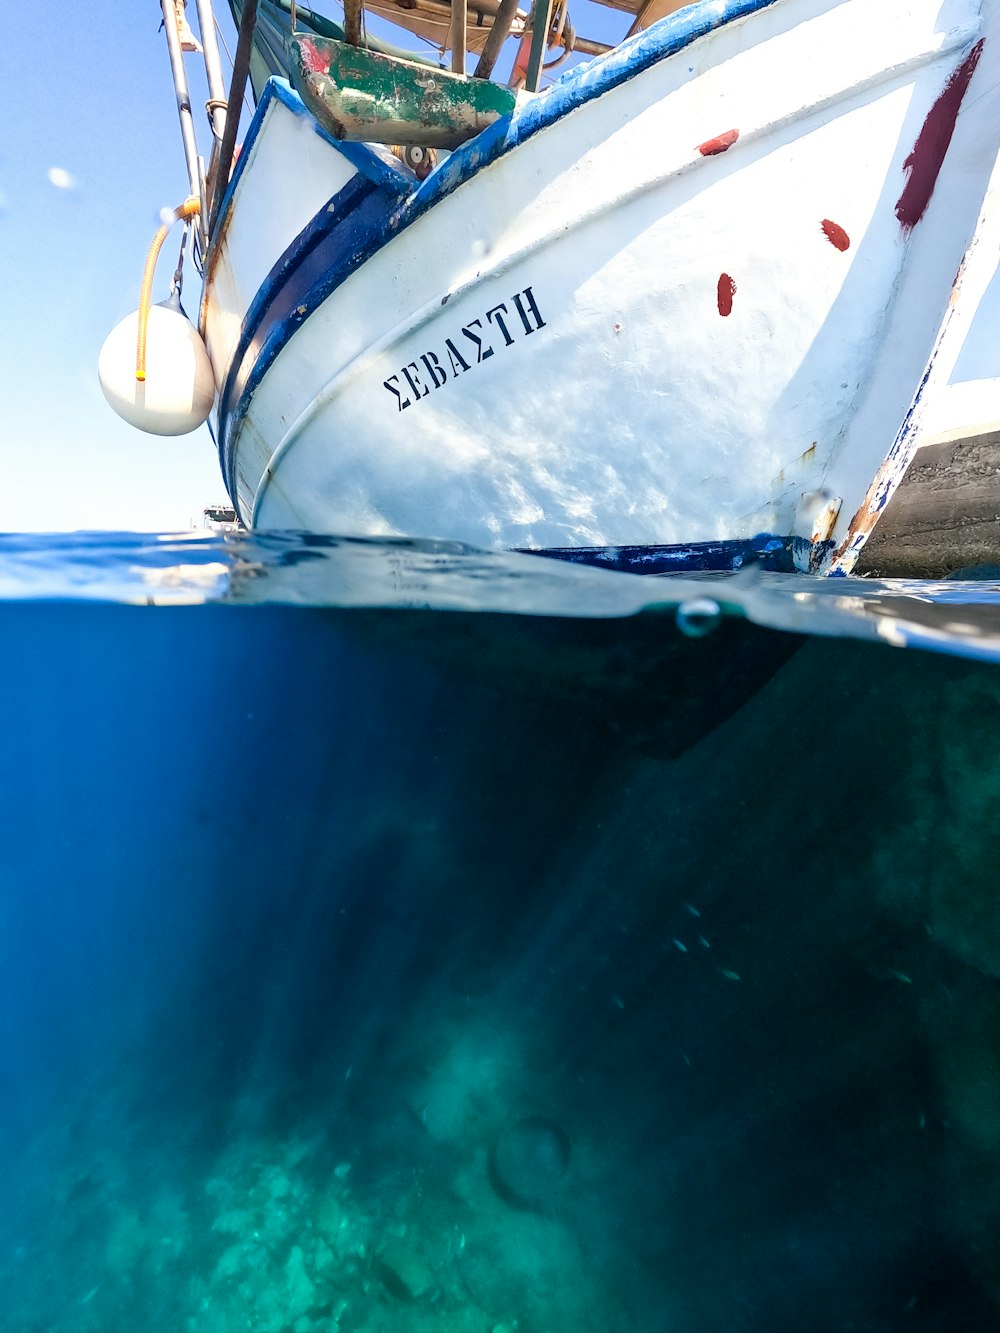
[[684, 307]]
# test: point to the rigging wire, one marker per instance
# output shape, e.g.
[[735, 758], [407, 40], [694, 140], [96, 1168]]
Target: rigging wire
[[232, 64]]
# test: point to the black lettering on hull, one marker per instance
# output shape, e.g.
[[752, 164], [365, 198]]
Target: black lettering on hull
[[434, 366]]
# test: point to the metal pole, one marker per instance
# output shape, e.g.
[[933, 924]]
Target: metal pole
[[181, 91], [459, 20], [498, 35], [213, 69]]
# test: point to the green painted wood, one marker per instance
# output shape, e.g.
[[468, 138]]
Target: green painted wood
[[274, 23], [363, 95]]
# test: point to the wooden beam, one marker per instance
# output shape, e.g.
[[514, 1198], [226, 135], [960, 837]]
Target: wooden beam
[[498, 35], [653, 10], [241, 68], [352, 22], [459, 23]]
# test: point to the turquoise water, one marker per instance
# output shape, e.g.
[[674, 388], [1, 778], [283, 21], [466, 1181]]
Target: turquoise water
[[399, 938]]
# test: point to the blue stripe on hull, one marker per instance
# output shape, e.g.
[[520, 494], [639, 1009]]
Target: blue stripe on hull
[[376, 167], [328, 249], [766, 550]]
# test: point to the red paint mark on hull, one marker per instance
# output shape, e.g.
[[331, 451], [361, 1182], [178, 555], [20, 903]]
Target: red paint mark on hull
[[719, 144], [836, 235], [314, 61], [928, 154], [727, 290]]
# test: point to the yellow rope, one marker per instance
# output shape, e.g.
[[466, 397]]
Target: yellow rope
[[188, 209]]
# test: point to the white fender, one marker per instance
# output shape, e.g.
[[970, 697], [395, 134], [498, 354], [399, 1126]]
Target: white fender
[[177, 393]]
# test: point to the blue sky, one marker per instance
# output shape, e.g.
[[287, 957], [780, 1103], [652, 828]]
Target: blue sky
[[90, 155], [98, 105]]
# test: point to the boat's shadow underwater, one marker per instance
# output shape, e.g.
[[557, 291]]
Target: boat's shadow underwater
[[637, 680]]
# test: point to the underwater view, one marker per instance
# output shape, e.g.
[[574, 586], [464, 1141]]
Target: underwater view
[[450, 966]]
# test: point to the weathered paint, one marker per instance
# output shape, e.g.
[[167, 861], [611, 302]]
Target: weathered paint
[[815, 518], [841, 558], [711, 147], [314, 59], [363, 95], [725, 291], [924, 163], [836, 235]]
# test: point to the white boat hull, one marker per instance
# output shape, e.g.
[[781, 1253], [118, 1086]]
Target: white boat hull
[[691, 295]]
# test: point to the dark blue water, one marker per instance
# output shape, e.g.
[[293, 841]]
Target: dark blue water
[[399, 938]]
